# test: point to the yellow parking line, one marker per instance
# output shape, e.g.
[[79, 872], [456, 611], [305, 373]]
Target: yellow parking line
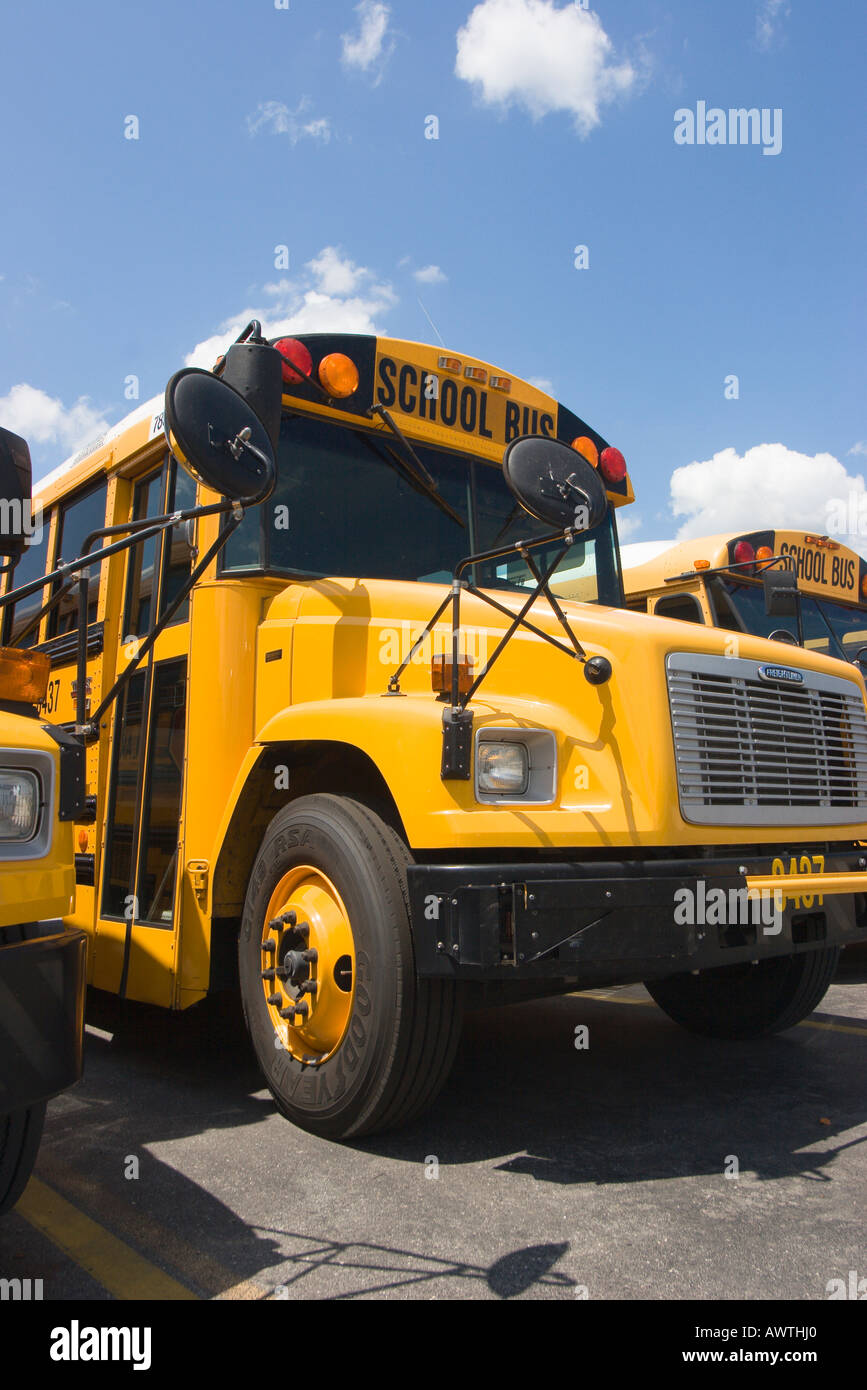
[[833, 1027], [119, 1269], [203, 1271]]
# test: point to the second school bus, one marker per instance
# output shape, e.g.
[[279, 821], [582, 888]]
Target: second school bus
[[377, 818], [718, 580]]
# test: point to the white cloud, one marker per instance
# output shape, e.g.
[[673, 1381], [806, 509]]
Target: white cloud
[[769, 12], [769, 486], [370, 48], [43, 419], [629, 523], [334, 295], [532, 54], [280, 120], [859, 448], [542, 383], [336, 274], [430, 275], [281, 287]]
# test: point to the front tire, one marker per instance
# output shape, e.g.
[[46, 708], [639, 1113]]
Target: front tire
[[747, 1001], [349, 1040], [20, 1134]]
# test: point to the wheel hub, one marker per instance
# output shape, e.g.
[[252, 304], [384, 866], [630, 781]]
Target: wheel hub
[[308, 964]]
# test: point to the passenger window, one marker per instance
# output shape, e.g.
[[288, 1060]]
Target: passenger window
[[168, 553], [78, 518], [684, 607], [141, 580], [30, 566]]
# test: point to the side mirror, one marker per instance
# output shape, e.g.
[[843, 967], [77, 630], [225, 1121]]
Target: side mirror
[[781, 593], [15, 494], [860, 657], [218, 436], [554, 483]]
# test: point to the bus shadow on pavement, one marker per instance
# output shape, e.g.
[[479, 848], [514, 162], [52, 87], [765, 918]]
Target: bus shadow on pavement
[[644, 1100], [152, 1078]]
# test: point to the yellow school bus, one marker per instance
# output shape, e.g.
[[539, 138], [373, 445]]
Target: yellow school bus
[[42, 764], [42, 962], [718, 580], [375, 770]]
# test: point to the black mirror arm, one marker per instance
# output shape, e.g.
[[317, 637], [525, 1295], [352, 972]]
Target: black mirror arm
[[144, 529], [47, 607], [238, 445], [237, 509], [86, 728]]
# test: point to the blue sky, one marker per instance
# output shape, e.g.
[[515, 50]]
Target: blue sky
[[304, 126]]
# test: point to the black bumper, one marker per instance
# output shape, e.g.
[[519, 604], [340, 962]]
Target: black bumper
[[602, 922], [42, 990]]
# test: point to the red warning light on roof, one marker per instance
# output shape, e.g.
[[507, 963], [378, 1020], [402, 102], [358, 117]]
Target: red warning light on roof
[[612, 465], [293, 351]]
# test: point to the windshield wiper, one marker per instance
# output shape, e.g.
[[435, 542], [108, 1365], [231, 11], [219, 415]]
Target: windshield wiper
[[414, 470]]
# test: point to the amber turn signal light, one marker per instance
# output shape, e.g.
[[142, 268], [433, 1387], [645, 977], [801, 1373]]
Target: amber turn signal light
[[338, 375], [587, 449], [23, 675], [441, 674]]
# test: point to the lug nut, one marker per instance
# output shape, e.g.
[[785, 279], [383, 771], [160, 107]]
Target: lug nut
[[268, 974], [308, 987], [275, 999], [302, 1008], [269, 945]]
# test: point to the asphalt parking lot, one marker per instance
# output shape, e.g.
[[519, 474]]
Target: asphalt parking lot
[[649, 1164]]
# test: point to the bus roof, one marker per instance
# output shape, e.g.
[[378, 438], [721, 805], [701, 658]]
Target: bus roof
[[433, 395], [664, 559]]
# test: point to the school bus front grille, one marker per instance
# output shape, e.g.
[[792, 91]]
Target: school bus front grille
[[751, 750]]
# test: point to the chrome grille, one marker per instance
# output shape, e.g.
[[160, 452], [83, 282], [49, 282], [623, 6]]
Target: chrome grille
[[753, 752]]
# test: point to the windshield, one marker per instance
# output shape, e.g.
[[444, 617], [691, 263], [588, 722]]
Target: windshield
[[829, 627], [343, 505]]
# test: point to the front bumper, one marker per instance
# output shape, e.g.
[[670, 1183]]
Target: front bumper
[[42, 991], [602, 922]]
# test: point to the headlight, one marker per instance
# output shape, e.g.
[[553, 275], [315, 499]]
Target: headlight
[[503, 768], [515, 764], [19, 804]]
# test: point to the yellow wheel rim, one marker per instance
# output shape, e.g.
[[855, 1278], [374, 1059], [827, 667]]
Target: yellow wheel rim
[[308, 964]]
